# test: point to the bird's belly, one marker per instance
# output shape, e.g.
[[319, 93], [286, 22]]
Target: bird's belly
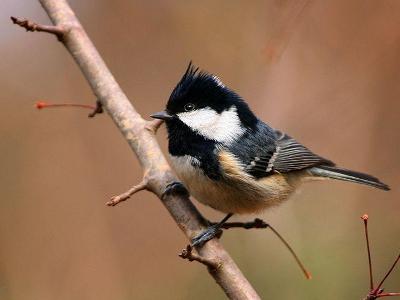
[[229, 197]]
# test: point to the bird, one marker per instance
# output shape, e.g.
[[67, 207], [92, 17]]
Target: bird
[[231, 160]]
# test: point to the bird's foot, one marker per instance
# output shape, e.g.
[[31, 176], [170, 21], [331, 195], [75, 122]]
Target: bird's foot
[[176, 188], [208, 234]]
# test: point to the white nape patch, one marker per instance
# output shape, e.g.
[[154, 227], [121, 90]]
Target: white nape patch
[[224, 127]]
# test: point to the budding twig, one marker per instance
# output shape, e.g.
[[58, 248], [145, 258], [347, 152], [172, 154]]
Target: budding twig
[[371, 280], [188, 254], [42, 104], [97, 109], [58, 31], [125, 196], [377, 292]]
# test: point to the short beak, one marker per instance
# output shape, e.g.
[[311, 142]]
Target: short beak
[[162, 115]]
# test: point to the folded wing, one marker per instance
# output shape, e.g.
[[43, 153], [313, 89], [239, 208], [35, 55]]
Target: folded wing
[[289, 155]]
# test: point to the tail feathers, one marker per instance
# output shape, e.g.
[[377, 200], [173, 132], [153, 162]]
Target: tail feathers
[[347, 175]]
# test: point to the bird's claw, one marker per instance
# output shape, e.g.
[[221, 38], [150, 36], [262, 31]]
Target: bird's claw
[[208, 234], [176, 188]]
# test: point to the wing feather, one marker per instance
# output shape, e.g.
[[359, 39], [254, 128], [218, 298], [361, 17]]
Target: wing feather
[[289, 155]]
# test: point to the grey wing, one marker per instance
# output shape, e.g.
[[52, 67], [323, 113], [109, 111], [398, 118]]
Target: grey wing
[[289, 155]]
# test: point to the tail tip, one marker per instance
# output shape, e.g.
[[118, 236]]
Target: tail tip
[[384, 187]]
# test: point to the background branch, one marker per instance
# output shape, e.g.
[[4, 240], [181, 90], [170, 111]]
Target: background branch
[[139, 134]]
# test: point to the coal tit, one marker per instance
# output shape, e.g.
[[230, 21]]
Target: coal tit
[[231, 160]]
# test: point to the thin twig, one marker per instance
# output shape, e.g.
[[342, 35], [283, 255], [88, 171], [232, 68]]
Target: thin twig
[[97, 109], [371, 280], [125, 196], [302, 267], [388, 273], [375, 293], [43, 104], [260, 224], [388, 294], [58, 31], [188, 254]]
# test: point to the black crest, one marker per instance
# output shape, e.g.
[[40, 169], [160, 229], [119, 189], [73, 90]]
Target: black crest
[[185, 83], [206, 90]]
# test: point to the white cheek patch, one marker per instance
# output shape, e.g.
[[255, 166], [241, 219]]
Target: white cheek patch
[[224, 127]]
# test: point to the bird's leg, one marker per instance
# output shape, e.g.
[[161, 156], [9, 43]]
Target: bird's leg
[[211, 232]]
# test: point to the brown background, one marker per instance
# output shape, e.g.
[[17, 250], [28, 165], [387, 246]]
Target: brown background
[[326, 72]]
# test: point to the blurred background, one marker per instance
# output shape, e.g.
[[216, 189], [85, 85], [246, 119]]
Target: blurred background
[[326, 72]]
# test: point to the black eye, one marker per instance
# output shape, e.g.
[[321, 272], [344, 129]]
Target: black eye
[[189, 106]]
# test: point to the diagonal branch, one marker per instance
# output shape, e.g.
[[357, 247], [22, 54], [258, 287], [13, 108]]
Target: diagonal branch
[[140, 136]]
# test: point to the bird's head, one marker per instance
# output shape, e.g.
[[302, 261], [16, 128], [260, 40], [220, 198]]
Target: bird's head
[[201, 103]]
